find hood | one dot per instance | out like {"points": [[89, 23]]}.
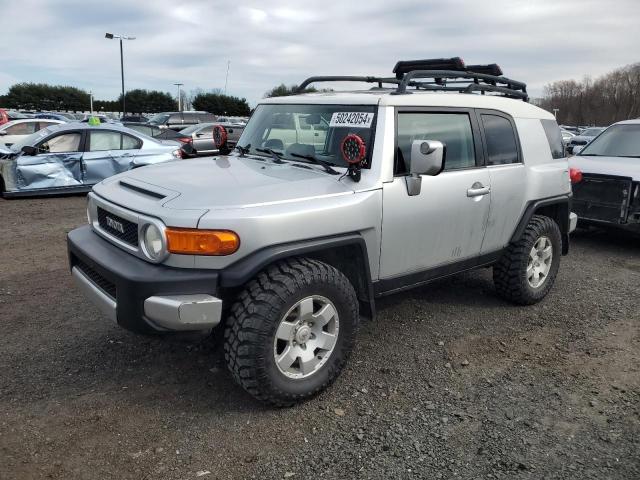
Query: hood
{"points": [[618, 166], [231, 182]]}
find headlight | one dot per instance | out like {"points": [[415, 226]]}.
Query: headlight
{"points": [[153, 242]]}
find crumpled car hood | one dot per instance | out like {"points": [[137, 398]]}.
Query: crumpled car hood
{"points": [[618, 166], [230, 182]]}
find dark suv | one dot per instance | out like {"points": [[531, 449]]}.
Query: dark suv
{"points": [[180, 120]]}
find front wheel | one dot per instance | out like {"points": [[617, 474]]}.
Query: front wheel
{"points": [[527, 270], [291, 331]]}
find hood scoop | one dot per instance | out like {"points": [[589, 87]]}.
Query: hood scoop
{"points": [[144, 188]]}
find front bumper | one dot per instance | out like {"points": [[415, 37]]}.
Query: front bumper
{"points": [[140, 296]]}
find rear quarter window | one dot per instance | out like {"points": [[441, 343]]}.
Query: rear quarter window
{"points": [[554, 137]]}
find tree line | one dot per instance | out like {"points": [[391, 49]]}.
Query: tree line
{"points": [[40, 96], [610, 98]]}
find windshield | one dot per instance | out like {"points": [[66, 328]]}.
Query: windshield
{"points": [[31, 139], [591, 132], [616, 141], [159, 119], [310, 130]]}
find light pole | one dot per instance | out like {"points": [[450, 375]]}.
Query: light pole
{"points": [[111, 36], [179, 96], [555, 112], [90, 102], [227, 77]]}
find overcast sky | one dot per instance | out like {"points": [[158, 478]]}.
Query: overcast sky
{"points": [[271, 42]]}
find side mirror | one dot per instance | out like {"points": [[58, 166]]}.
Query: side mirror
{"points": [[29, 150], [577, 149], [3, 133], [427, 158]]}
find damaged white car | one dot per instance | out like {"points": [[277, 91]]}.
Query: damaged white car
{"points": [[72, 157], [606, 176]]}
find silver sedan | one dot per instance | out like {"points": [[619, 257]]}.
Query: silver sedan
{"points": [[72, 157]]}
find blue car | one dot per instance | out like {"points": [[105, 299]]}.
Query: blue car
{"points": [[52, 116], [72, 157]]}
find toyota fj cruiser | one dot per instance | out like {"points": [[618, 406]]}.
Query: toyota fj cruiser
{"points": [[327, 202]]}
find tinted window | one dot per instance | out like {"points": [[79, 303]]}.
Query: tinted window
{"points": [[108, 140], [175, 118], [206, 117], [501, 140], [554, 137], [25, 128], [452, 129], [67, 142], [104, 140], [190, 118], [130, 143]]}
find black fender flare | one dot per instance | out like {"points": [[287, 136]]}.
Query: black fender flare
{"points": [[562, 202], [240, 272]]}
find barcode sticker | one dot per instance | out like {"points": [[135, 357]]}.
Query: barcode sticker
{"points": [[351, 119]]}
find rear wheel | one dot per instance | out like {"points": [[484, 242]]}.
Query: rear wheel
{"points": [[527, 270], [291, 331]]}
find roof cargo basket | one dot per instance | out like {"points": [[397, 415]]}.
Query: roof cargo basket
{"points": [[406, 66]]}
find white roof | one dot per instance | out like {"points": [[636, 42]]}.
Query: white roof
{"points": [[633, 121], [515, 108]]}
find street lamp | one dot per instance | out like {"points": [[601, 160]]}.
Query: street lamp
{"points": [[555, 112], [111, 36], [179, 96]]}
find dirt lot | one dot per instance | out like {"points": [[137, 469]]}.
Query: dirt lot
{"points": [[449, 382]]}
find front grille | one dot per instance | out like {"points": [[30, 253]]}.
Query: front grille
{"points": [[105, 285], [118, 227], [600, 197]]}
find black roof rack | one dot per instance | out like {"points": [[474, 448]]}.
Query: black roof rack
{"points": [[440, 74], [348, 78]]}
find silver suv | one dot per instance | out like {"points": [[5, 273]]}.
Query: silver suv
{"points": [[328, 202]]}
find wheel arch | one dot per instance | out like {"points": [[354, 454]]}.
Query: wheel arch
{"points": [[347, 253], [556, 208]]}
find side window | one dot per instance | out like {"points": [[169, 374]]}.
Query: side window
{"points": [[130, 143], [502, 147], [190, 118], [175, 118], [64, 143], [42, 125], [103, 140], [554, 137], [452, 129], [24, 128]]}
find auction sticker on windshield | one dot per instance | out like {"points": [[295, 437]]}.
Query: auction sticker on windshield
{"points": [[351, 119]]}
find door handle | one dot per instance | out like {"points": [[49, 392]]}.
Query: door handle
{"points": [[478, 190]]}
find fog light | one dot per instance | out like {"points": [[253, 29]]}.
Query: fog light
{"points": [[153, 242]]}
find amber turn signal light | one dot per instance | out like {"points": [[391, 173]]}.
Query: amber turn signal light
{"points": [[192, 241]]}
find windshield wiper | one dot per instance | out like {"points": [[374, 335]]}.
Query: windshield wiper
{"points": [[243, 150], [317, 161], [276, 155]]}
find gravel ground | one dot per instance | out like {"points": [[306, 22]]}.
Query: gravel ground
{"points": [[449, 382]]}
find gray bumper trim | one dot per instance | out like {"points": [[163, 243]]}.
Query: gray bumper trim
{"points": [[573, 221], [104, 302], [184, 312]]}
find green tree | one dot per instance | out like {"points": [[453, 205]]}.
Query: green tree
{"points": [[148, 101], [220, 104], [283, 91], [46, 97]]}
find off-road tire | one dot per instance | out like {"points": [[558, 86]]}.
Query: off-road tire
{"points": [[509, 274], [256, 314]]}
